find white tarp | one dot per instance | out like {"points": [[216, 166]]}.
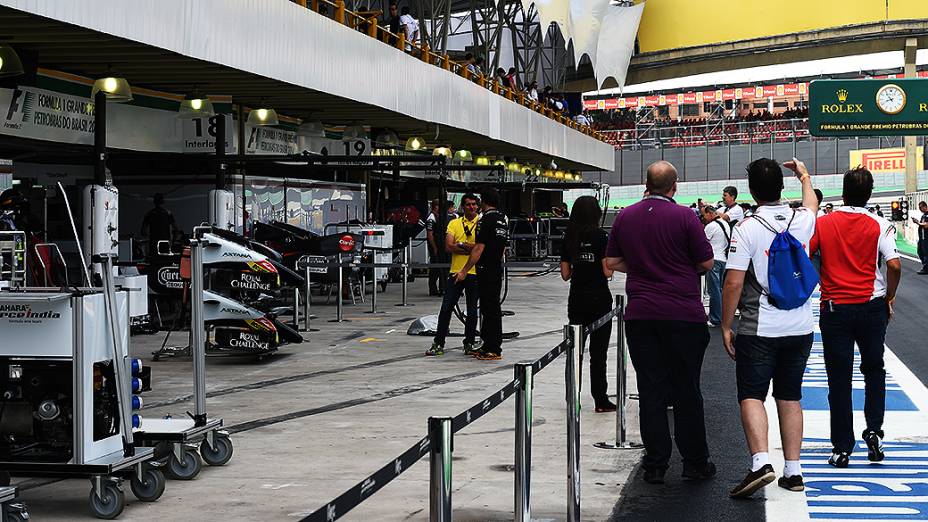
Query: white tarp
{"points": [[586, 17], [556, 11], [617, 43]]}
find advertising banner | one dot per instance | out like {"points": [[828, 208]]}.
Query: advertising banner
{"points": [[882, 161], [868, 107]]}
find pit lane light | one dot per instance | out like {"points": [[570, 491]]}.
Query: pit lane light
{"points": [[195, 106], [116, 89], [262, 117], [414, 144], [442, 151], [10, 64]]}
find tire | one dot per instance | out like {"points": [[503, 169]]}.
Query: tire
{"points": [[189, 469], [151, 487], [110, 504], [220, 455]]}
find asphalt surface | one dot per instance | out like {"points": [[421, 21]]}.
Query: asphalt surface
{"points": [[701, 500], [908, 330]]}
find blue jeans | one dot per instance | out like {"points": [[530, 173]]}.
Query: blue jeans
{"points": [[714, 279], [453, 293], [842, 326]]}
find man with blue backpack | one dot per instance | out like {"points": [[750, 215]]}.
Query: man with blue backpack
{"points": [[770, 279]]}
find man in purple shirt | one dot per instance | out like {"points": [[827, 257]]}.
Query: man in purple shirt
{"points": [[662, 247]]}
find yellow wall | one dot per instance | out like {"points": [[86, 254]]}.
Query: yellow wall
{"points": [[670, 24]]}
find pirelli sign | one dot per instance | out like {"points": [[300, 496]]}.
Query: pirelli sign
{"points": [[890, 107]]}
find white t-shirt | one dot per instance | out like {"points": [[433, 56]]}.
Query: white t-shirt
{"points": [[749, 251], [735, 213], [718, 233], [411, 26]]}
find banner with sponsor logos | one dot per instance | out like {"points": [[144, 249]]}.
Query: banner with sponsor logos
{"points": [[880, 161], [757, 92]]}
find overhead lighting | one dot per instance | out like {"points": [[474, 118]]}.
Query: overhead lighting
{"points": [[441, 151], [262, 116], [387, 138], [414, 144], [499, 163], [311, 129], [10, 64], [577, 177], [514, 167], [463, 155], [483, 160], [354, 132], [559, 174], [568, 176], [548, 173], [195, 106], [116, 89]]}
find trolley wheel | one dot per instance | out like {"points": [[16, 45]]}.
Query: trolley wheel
{"points": [[220, 455], [110, 503], [150, 487], [187, 470], [17, 516]]}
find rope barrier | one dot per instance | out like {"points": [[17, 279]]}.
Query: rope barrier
{"points": [[350, 499]]}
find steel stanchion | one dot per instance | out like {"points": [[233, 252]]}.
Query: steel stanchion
{"points": [[405, 275], [374, 293], [296, 308], [440, 469], [621, 435], [573, 335], [338, 302], [307, 302], [197, 332], [523, 460]]}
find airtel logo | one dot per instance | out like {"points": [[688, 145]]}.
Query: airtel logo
{"points": [[346, 243]]}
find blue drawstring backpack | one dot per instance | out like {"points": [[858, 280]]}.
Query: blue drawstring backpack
{"points": [[791, 276]]}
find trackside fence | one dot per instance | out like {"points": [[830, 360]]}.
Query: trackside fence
{"points": [[438, 443]]}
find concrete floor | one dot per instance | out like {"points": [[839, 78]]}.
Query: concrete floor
{"points": [[313, 420]]}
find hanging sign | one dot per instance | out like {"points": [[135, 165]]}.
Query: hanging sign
{"points": [[199, 134], [46, 115], [890, 107]]}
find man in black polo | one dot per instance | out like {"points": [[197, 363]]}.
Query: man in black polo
{"points": [[487, 255]]}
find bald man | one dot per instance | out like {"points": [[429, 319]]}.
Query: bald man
{"points": [[662, 246]]}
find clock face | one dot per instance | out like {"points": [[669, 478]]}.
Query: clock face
{"points": [[890, 99]]}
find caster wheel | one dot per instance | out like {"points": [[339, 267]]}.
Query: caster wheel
{"points": [[110, 503], [17, 517], [151, 487], [187, 470], [220, 455]]}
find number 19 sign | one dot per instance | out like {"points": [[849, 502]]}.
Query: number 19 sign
{"points": [[893, 107]]}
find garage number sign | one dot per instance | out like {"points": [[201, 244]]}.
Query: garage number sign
{"points": [[892, 107]]}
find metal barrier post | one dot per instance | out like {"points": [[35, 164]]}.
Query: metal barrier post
{"points": [[440, 469], [621, 436], [573, 335], [338, 302], [197, 332], [296, 308], [405, 275], [523, 460], [374, 291]]}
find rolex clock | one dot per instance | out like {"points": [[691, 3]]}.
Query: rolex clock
{"points": [[890, 99]]}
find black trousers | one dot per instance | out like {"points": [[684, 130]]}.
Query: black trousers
{"points": [[667, 356], [490, 285], [842, 326], [584, 309], [437, 276], [923, 252]]}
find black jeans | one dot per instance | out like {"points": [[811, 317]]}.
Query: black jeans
{"points": [[923, 252], [490, 283], [453, 293], [668, 356], [584, 309], [842, 326], [437, 275]]}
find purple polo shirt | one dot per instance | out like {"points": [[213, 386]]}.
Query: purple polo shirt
{"points": [[661, 242]]}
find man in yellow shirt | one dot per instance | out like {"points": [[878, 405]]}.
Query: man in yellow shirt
{"points": [[459, 241]]}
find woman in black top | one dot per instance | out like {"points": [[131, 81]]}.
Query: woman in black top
{"points": [[583, 264]]}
